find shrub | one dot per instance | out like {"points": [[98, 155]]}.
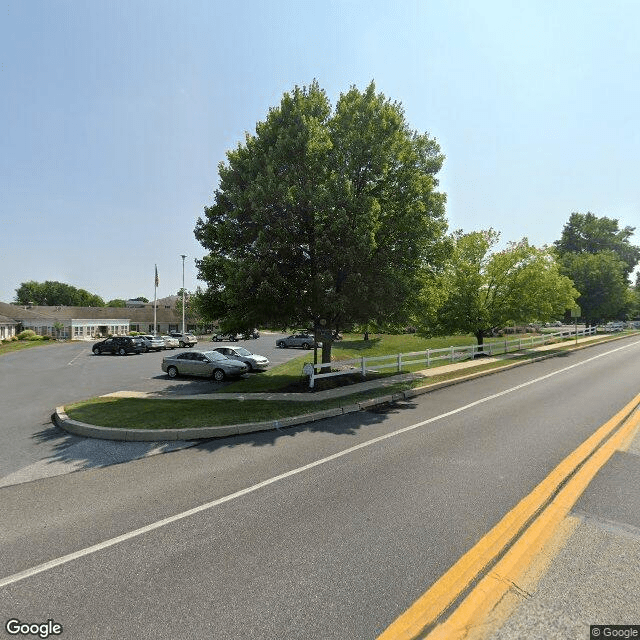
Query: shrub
{"points": [[27, 334]]}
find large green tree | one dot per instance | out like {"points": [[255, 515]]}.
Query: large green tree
{"points": [[599, 257], [323, 217], [55, 293], [481, 291], [587, 233], [604, 293]]}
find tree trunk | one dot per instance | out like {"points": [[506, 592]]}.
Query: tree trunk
{"points": [[326, 355], [480, 338]]}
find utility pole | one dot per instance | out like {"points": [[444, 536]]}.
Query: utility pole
{"points": [[183, 257]]}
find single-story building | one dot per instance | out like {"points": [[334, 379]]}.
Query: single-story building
{"points": [[7, 327], [89, 323]]}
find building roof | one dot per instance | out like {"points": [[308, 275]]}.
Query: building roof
{"points": [[60, 314], [6, 320]]}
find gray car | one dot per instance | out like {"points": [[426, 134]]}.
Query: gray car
{"points": [[252, 360], [209, 364], [186, 339], [303, 340], [170, 342], [153, 343]]}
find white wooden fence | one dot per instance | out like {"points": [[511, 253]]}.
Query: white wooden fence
{"points": [[431, 356]]}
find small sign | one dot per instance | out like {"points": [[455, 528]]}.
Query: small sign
{"points": [[576, 312], [307, 370]]}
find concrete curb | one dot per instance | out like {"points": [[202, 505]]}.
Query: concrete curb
{"points": [[62, 420]]}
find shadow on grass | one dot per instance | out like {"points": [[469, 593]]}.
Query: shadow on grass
{"points": [[88, 453], [357, 345]]}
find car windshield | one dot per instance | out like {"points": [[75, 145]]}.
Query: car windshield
{"points": [[214, 355], [243, 352]]}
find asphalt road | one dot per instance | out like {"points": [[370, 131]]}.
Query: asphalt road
{"points": [[35, 381], [328, 531]]}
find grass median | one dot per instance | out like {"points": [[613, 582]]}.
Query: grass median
{"points": [[142, 413]]}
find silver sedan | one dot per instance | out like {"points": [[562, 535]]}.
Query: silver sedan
{"points": [[209, 364], [170, 342], [254, 361]]}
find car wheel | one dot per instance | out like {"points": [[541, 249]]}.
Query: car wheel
{"points": [[181, 345], [96, 351], [122, 351], [218, 375], [281, 345], [305, 345], [250, 367], [172, 372]]}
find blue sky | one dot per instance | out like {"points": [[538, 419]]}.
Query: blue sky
{"points": [[115, 115]]}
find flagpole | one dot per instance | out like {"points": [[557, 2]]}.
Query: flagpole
{"points": [[155, 296]]}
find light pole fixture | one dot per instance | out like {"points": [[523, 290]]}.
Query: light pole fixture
{"points": [[183, 257]]}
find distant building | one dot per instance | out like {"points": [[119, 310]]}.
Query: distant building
{"points": [[89, 323], [7, 327]]}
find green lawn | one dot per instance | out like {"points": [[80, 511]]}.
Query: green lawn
{"points": [[141, 413], [284, 376]]}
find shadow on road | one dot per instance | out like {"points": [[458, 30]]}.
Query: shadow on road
{"points": [[75, 453]]}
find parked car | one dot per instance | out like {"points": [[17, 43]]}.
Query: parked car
{"points": [[153, 343], [186, 339], [254, 361], [303, 340], [122, 345], [251, 335], [170, 342], [209, 364], [225, 337]]}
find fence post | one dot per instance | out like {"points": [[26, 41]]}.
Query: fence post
{"points": [[311, 377], [428, 358], [451, 354], [399, 362], [362, 368]]}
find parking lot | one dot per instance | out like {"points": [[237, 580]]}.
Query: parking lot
{"points": [[35, 381]]}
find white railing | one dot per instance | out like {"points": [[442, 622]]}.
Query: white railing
{"points": [[431, 356]]}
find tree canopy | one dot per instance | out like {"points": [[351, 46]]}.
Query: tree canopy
{"points": [[587, 233], [55, 293], [480, 291], [599, 257], [604, 293], [323, 217]]}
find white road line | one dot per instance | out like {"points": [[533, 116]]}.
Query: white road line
{"points": [[27, 573], [82, 353]]}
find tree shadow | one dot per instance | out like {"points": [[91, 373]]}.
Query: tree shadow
{"points": [[357, 345], [77, 453]]}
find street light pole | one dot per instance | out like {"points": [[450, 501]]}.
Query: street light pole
{"points": [[183, 257]]}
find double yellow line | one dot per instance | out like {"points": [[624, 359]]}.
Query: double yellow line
{"points": [[502, 555]]}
